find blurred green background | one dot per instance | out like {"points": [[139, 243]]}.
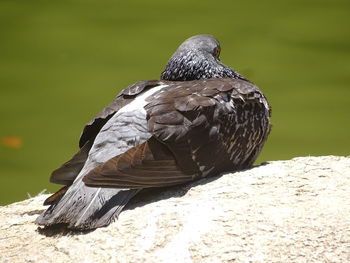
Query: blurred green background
{"points": [[63, 61]]}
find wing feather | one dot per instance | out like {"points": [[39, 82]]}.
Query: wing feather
{"points": [[198, 128], [93, 127], [70, 169], [67, 173], [214, 118], [149, 164]]}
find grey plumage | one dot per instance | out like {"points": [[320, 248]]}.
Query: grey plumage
{"points": [[198, 58], [200, 119], [81, 206]]}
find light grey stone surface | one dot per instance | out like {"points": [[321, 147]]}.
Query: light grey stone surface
{"points": [[285, 211]]}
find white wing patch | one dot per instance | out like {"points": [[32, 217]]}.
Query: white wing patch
{"points": [[126, 129], [140, 101]]}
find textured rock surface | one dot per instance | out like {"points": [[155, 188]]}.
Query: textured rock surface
{"points": [[284, 211]]}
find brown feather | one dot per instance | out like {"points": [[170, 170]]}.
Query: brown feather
{"points": [[70, 169], [149, 164], [56, 196], [217, 117]]}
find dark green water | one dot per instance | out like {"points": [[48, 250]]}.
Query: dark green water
{"points": [[62, 61]]}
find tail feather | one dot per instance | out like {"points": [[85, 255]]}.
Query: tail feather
{"points": [[84, 208]]}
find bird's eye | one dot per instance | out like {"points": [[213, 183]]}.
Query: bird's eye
{"points": [[217, 51]]}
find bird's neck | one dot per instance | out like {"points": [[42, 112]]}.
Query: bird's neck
{"points": [[189, 66]]}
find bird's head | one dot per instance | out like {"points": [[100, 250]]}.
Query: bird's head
{"points": [[197, 58]]}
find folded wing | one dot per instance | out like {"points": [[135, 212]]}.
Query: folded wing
{"points": [[199, 128]]}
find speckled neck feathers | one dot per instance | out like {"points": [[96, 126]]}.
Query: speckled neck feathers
{"points": [[198, 58]]}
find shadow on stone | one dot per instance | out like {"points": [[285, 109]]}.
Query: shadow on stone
{"points": [[60, 230], [148, 196]]}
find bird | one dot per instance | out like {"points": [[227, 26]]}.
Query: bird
{"points": [[200, 119]]}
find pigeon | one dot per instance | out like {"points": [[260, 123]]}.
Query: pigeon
{"points": [[201, 119]]}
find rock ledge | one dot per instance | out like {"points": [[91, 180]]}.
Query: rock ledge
{"points": [[284, 211]]}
